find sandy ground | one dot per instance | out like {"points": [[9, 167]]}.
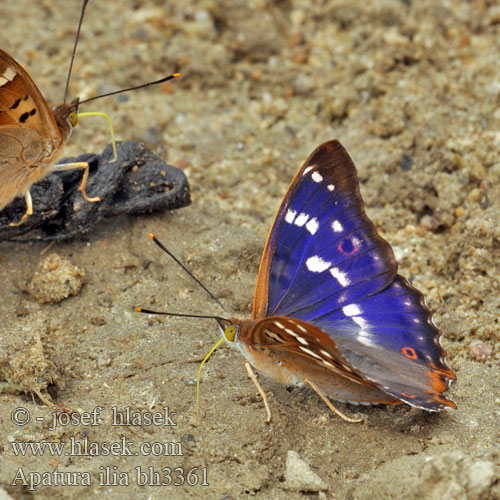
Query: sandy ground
{"points": [[412, 90]]}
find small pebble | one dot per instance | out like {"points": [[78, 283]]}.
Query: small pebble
{"points": [[406, 162], [188, 440], [299, 476], [429, 222], [481, 351]]}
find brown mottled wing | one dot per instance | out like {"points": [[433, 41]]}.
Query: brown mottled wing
{"points": [[21, 103], [28, 130], [293, 351]]}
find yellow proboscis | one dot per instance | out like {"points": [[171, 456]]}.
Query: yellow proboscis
{"points": [[198, 378]]}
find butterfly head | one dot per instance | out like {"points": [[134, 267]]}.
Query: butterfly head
{"points": [[66, 117], [230, 329]]}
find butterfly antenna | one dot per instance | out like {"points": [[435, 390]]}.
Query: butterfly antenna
{"points": [[163, 313], [210, 294], [161, 80], [84, 6]]}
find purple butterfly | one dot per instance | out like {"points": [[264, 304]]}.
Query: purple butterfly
{"points": [[329, 307]]}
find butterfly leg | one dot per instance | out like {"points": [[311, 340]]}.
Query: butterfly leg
{"points": [[329, 403], [29, 209], [85, 166], [252, 375]]}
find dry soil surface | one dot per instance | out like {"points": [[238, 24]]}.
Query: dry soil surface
{"points": [[412, 90]]}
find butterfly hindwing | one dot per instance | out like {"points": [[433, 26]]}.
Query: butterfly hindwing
{"points": [[389, 337]]}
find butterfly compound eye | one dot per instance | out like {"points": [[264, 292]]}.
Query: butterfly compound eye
{"points": [[73, 118], [230, 333]]}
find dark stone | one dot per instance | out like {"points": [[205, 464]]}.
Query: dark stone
{"points": [[138, 182], [406, 162]]}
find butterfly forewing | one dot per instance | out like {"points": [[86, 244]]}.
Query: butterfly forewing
{"points": [[21, 103], [322, 252]]}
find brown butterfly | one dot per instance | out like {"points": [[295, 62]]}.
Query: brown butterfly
{"points": [[32, 136]]}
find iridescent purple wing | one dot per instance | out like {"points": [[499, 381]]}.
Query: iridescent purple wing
{"points": [[325, 264], [322, 252]]}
